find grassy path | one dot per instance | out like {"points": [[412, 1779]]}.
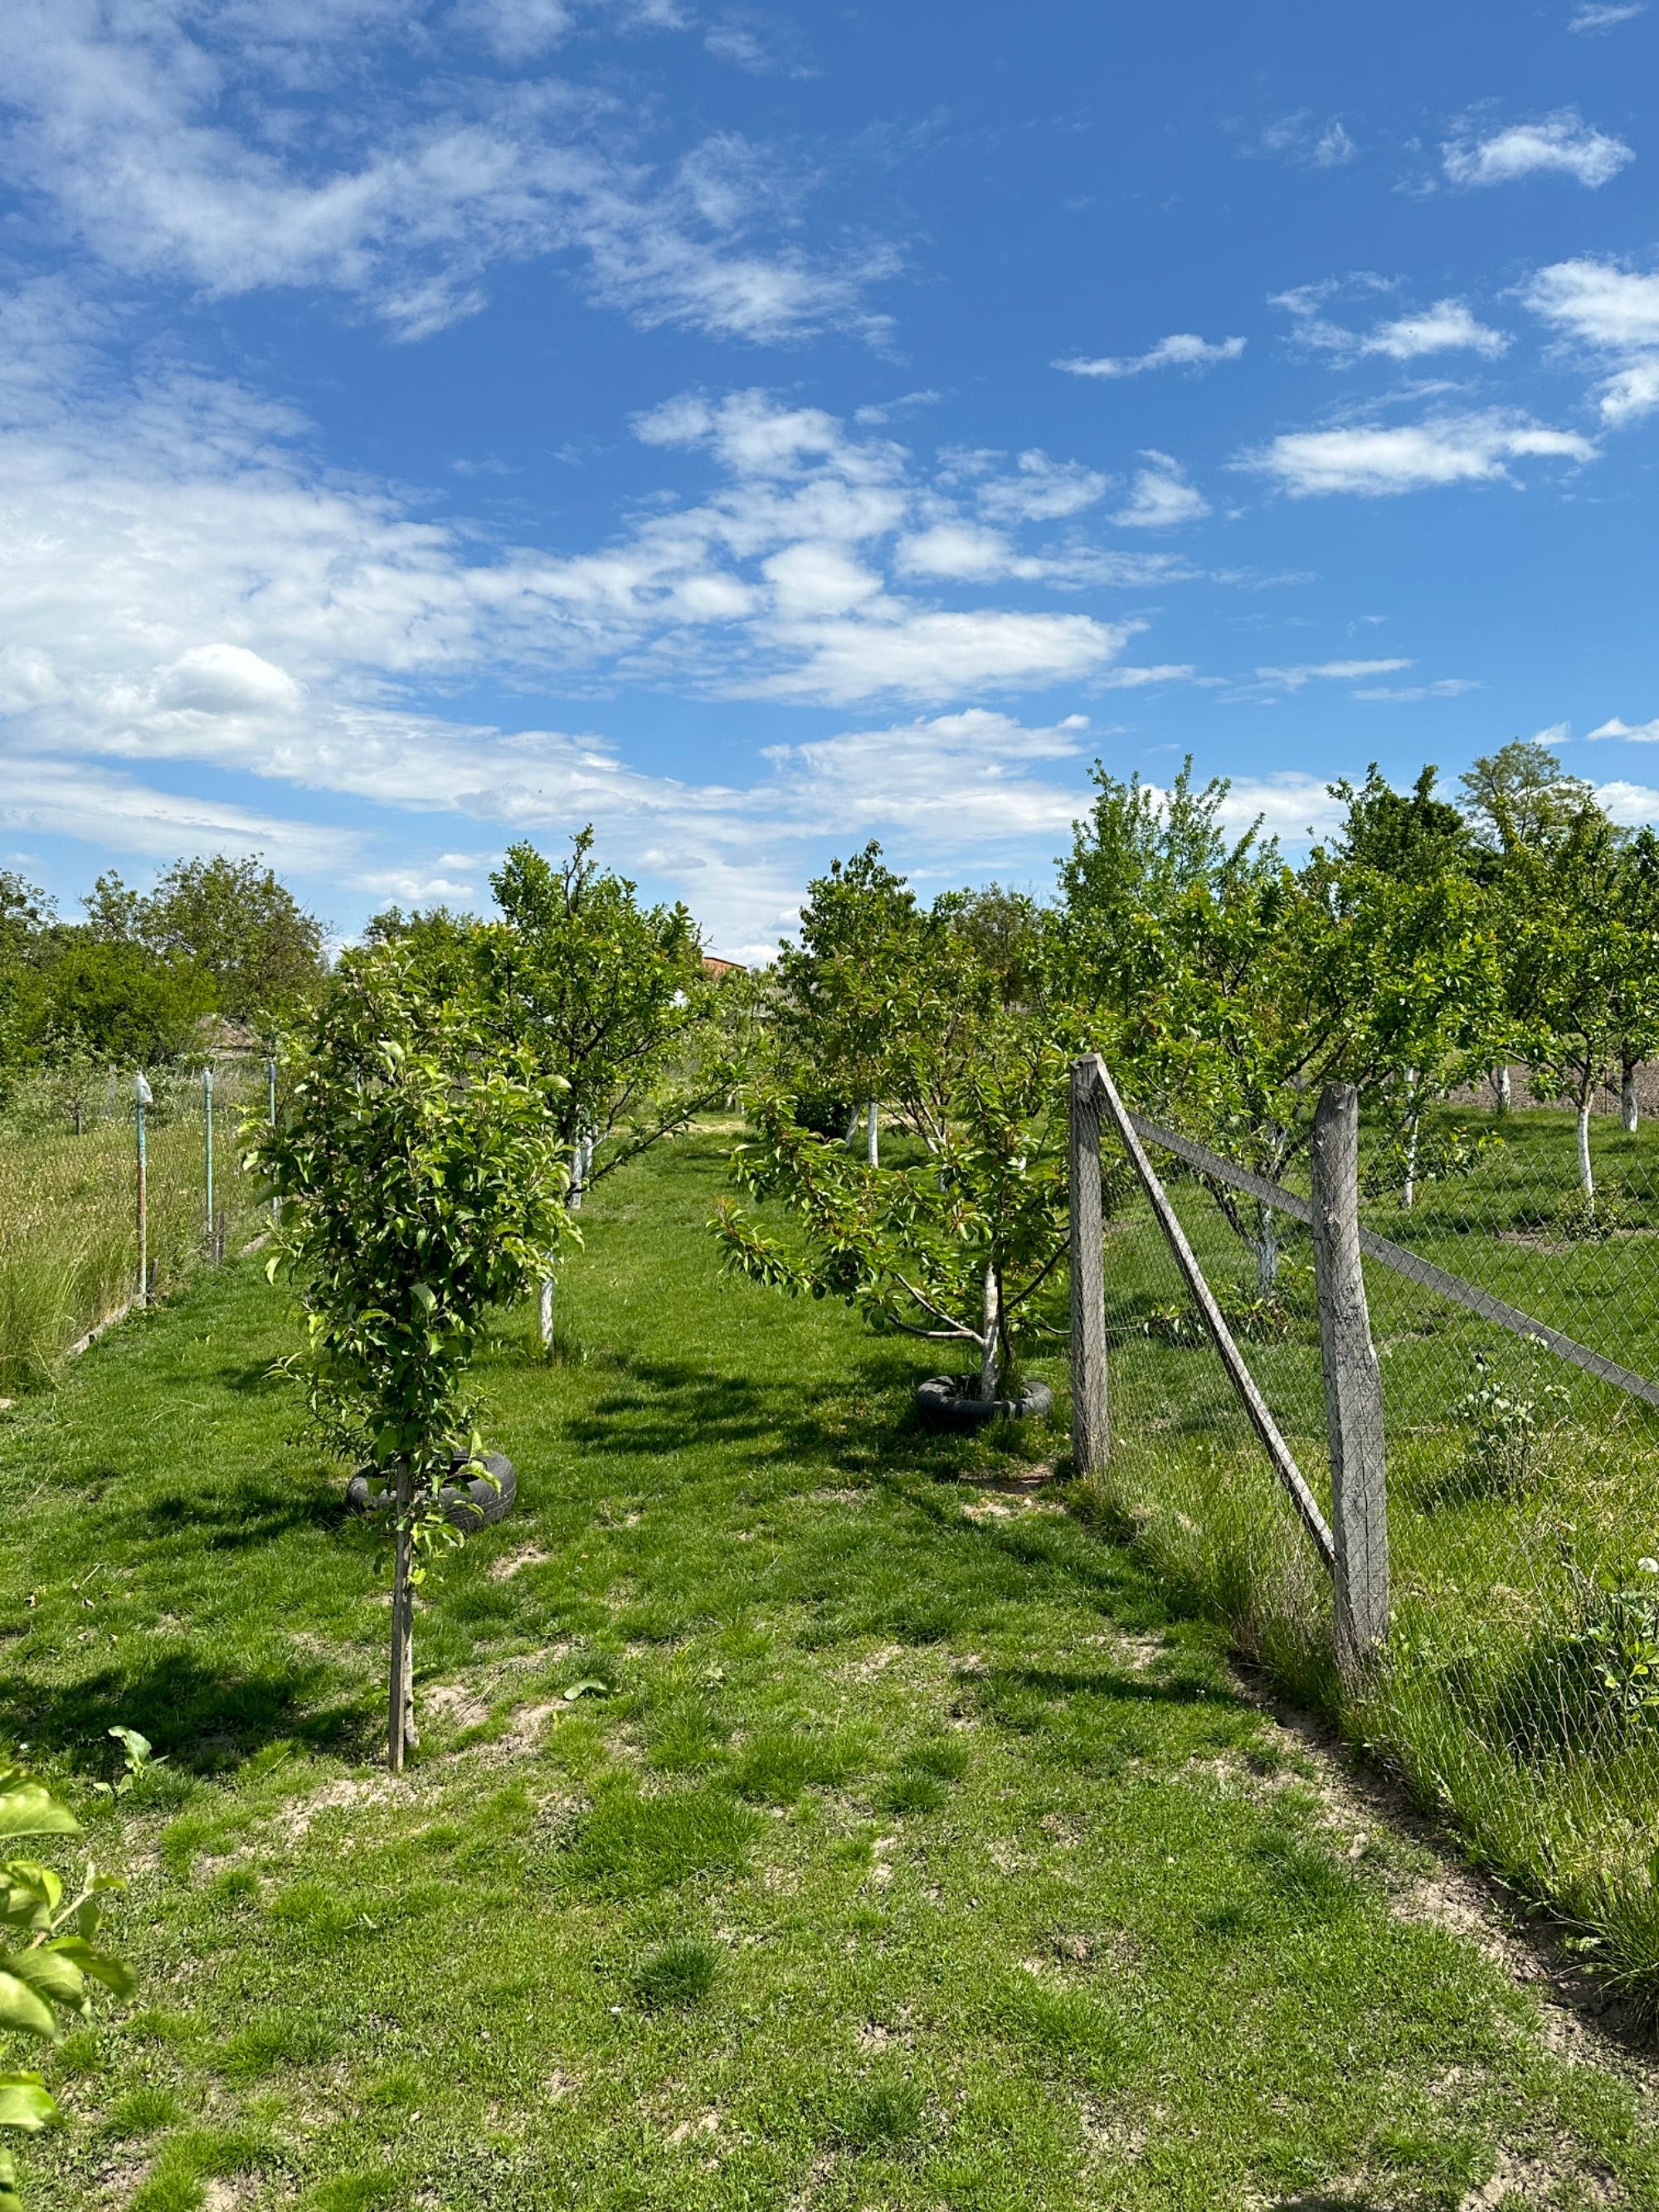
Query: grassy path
{"points": [[900, 1853]]}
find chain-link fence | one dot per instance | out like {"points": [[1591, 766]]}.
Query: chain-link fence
{"points": [[1514, 1315], [70, 1222]]}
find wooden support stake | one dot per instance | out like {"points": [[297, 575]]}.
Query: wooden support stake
{"points": [[401, 1686], [1232, 1361], [1091, 1441], [1353, 1387]]}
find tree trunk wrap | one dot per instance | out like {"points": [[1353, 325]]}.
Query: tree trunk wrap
{"points": [[400, 1704], [1586, 1171], [872, 1136], [991, 1342], [1091, 1404]]}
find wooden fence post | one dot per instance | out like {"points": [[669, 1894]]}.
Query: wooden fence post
{"points": [[1091, 1442], [1353, 1387]]}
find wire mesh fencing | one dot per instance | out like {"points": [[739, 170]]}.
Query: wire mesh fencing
{"points": [[71, 1223], [1513, 1312]]}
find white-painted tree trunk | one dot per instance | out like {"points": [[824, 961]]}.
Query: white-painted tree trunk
{"points": [[1586, 1172], [1267, 1251], [1630, 1109], [546, 1315], [400, 1702], [872, 1136], [1502, 1089], [990, 1349]]}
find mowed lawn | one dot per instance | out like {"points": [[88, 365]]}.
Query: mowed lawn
{"points": [[802, 1819]]}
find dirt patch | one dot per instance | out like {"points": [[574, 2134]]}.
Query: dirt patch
{"points": [[454, 1703], [294, 1820], [503, 1569]]}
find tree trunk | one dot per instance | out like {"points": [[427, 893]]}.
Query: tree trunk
{"points": [[872, 1136], [400, 1704], [1630, 1109], [546, 1314], [1586, 1172], [1267, 1251], [1408, 1196], [1501, 1088], [990, 1347]]}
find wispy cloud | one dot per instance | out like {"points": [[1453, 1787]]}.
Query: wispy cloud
{"points": [[1605, 15], [1615, 311], [1402, 695], [1448, 326], [1638, 732], [126, 128], [1182, 350], [1338, 671], [1377, 460], [1161, 497], [1300, 137], [1562, 144]]}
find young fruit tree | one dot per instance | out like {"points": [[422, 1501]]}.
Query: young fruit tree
{"points": [[1583, 964], [421, 1181], [954, 1246], [954, 1242], [613, 996], [1233, 987], [48, 1959]]}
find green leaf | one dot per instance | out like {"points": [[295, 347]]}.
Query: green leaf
{"points": [[590, 1688], [20, 2008], [114, 1973], [28, 1807], [24, 2102], [49, 1973]]}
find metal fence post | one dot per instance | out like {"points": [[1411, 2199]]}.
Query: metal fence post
{"points": [[141, 1097], [207, 1146], [1353, 1386], [1091, 1432]]}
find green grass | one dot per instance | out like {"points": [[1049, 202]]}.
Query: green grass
{"points": [[1493, 1709], [917, 1853], [69, 1242]]}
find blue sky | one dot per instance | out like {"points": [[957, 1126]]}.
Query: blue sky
{"points": [[755, 431]]}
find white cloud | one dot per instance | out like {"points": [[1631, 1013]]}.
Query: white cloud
{"points": [[938, 654], [1638, 732], [1315, 145], [1603, 14], [1562, 144], [1374, 459], [1613, 311], [1341, 671], [1038, 488], [1180, 350], [126, 122], [1446, 326], [1630, 805], [1161, 498], [67, 798], [1443, 687], [1598, 302], [1290, 805], [933, 777]]}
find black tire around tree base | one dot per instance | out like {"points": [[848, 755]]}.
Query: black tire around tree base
{"points": [[946, 1401], [478, 1503]]}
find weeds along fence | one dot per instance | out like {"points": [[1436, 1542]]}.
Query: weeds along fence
{"points": [[71, 1226], [1395, 1420]]}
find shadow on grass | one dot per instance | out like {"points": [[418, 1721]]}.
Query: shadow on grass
{"points": [[250, 1515], [201, 1716]]}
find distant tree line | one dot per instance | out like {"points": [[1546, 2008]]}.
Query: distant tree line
{"points": [[132, 984]]}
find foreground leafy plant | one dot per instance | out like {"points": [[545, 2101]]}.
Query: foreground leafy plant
{"points": [[47, 1956], [420, 1184], [1505, 1427]]}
